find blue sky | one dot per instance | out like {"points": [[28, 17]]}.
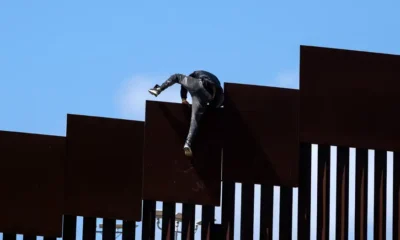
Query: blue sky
{"points": [[99, 57]]}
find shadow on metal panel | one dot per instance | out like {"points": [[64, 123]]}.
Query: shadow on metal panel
{"points": [[31, 183], [168, 174], [261, 143], [349, 98], [104, 167]]}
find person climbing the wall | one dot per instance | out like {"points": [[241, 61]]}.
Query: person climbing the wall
{"points": [[206, 91]]}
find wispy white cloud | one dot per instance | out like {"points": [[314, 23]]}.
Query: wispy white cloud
{"points": [[132, 95]]}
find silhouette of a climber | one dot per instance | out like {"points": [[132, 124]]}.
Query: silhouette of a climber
{"points": [[206, 91]]}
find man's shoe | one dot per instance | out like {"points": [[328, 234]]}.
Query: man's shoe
{"points": [[155, 91], [187, 150]]}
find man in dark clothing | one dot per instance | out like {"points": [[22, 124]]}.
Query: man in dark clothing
{"points": [[206, 91]]}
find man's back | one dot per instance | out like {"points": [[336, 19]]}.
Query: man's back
{"points": [[204, 75]]}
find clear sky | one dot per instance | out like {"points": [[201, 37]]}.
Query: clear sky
{"points": [[99, 57]]}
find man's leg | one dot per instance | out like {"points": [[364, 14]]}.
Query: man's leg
{"points": [[176, 78], [198, 109]]}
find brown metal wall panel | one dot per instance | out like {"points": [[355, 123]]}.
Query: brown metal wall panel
{"points": [[247, 211], [168, 174], [69, 227], [168, 221], [228, 209], [344, 95], [149, 220], [285, 215], [361, 203], [261, 135], [109, 229], [89, 228], [303, 229], [266, 212], [128, 230], [380, 181], [188, 221], [323, 192], [104, 167], [31, 183], [342, 193]]}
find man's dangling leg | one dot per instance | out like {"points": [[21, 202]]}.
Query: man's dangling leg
{"points": [[198, 109], [176, 78]]}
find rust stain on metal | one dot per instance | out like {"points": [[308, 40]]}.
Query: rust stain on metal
{"points": [[32, 179], [168, 174], [104, 167], [344, 95], [261, 143]]}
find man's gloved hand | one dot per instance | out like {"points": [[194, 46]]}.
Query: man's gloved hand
{"points": [[184, 101]]}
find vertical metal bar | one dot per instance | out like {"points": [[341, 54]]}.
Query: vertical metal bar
{"points": [[27, 237], [9, 236], [217, 232], [49, 238], [304, 192], [361, 203], [109, 226], [207, 220], [149, 220], [69, 227], [286, 209], [89, 228], [266, 212], [342, 193], [188, 221], [247, 211], [128, 230], [228, 209], [168, 221], [324, 169], [380, 195], [396, 195]]}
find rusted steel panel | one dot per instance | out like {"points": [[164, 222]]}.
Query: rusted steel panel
{"points": [[228, 209], [266, 212], [323, 192], [149, 220], [104, 167], [168, 174], [261, 135], [188, 221], [342, 193], [380, 181], [361, 203], [286, 210], [31, 183], [303, 229], [344, 95], [247, 211]]}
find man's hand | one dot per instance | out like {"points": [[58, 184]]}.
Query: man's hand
{"points": [[184, 101]]}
